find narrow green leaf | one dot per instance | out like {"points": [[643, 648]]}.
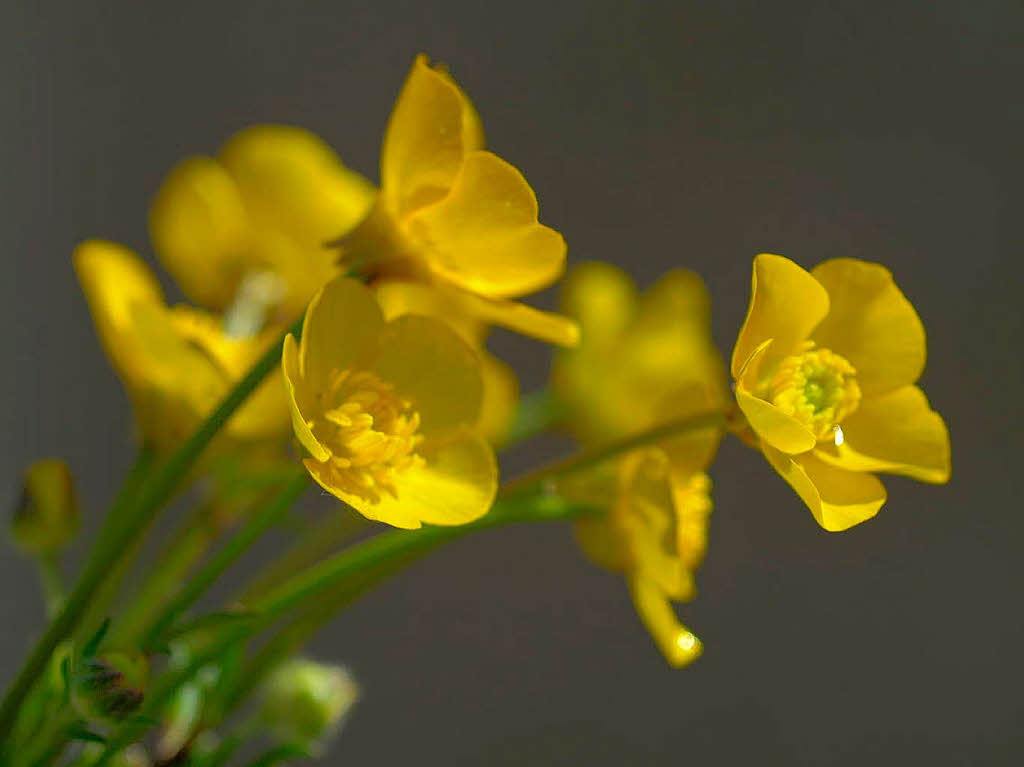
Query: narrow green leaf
{"points": [[93, 644]]}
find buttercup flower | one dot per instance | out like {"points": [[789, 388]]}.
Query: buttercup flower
{"points": [[176, 362], [386, 411], [825, 366], [265, 207], [457, 216], [645, 360], [501, 387]]}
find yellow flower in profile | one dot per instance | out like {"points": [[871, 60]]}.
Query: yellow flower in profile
{"points": [[825, 368], [176, 362], [455, 215], [501, 386], [645, 360], [266, 206], [654, 532], [386, 411]]}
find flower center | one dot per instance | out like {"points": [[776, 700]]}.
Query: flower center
{"points": [[818, 388], [372, 434]]}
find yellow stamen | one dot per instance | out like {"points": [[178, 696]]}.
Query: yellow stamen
{"points": [[372, 434], [817, 387]]}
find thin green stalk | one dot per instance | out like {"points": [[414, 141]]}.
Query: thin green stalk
{"points": [[53, 586], [187, 547], [134, 523], [255, 526], [316, 543], [590, 458]]}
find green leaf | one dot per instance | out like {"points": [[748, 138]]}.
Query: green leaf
{"points": [[79, 732], [279, 754]]}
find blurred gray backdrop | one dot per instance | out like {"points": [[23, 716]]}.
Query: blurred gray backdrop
{"points": [[655, 135]]}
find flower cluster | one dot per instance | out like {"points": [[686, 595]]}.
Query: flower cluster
{"points": [[338, 333]]}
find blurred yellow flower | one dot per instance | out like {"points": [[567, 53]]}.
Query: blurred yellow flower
{"points": [[455, 215], [825, 366], [176, 362], [386, 411], [501, 386], [266, 206], [654, 532], [645, 360]]}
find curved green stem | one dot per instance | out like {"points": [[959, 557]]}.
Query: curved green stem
{"points": [[249, 533], [135, 520]]}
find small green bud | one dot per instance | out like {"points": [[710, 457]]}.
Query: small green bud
{"points": [[109, 686], [305, 701], [46, 516]]}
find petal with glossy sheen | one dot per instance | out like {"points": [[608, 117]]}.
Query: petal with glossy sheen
{"points": [[500, 398], [456, 485], [786, 303], [292, 181], [200, 231], [838, 499], [897, 433], [431, 128], [771, 424], [871, 323], [545, 326], [342, 322], [676, 642], [484, 235], [428, 363], [294, 388], [398, 298]]}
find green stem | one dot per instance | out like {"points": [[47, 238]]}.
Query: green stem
{"points": [[255, 526], [134, 523], [586, 459], [53, 586]]}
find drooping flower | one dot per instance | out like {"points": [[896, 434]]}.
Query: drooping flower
{"points": [[386, 411], [176, 362], [825, 367], [645, 360], [262, 211], [501, 386], [455, 215]]}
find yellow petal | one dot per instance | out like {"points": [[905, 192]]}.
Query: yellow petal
{"points": [[545, 326], [837, 498], [455, 485], [114, 280], [602, 543], [432, 127], [342, 323], [298, 400], [676, 642], [484, 235], [500, 398], [872, 324], [200, 231], [292, 181], [786, 303], [772, 425], [431, 366], [898, 433], [397, 298], [602, 298]]}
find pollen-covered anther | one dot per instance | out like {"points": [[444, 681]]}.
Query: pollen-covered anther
{"points": [[817, 387], [372, 434]]}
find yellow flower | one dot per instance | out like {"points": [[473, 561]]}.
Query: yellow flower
{"points": [[654, 533], [825, 367], [458, 216], [267, 205], [386, 411], [501, 386], [645, 360], [176, 362]]}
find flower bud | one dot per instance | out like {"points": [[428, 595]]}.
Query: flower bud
{"points": [[109, 686], [305, 701], [46, 516]]}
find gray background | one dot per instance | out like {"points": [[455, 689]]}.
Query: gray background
{"points": [[655, 135]]}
